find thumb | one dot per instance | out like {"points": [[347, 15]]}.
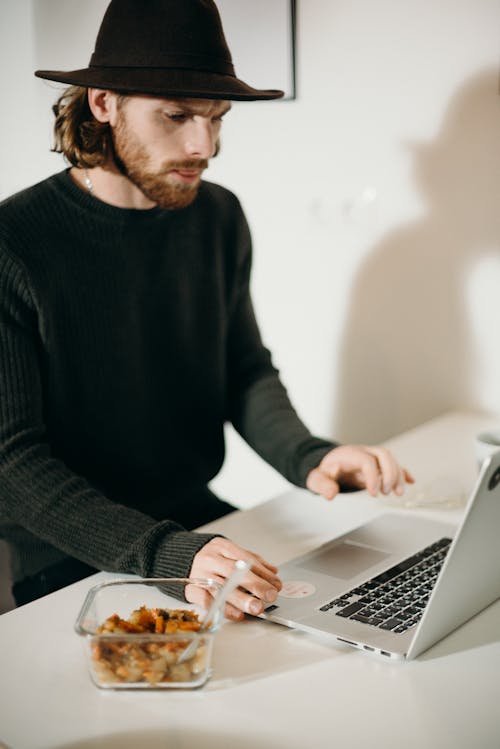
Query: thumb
{"points": [[321, 483]]}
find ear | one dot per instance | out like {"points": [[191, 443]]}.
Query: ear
{"points": [[103, 104]]}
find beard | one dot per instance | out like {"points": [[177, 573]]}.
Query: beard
{"points": [[131, 158]]}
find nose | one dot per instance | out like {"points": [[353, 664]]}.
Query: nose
{"points": [[200, 139]]}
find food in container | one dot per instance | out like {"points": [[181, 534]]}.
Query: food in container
{"points": [[136, 631]]}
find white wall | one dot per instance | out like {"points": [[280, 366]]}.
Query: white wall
{"points": [[373, 198]]}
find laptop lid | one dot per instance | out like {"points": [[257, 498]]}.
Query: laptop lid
{"points": [[470, 577]]}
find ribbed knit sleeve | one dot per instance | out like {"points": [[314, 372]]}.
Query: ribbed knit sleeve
{"points": [[261, 410], [38, 491]]}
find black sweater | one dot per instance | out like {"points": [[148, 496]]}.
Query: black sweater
{"points": [[127, 339]]}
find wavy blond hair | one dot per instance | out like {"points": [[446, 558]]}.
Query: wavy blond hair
{"points": [[84, 141]]}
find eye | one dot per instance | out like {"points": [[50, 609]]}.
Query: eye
{"points": [[178, 117]]}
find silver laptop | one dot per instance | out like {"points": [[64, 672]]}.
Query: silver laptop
{"points": [[397, 585]]}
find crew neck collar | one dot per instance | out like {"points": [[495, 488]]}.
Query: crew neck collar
{"points": [[91, 203]]}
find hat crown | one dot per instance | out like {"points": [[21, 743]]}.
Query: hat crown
{"points": [[177, 34]]}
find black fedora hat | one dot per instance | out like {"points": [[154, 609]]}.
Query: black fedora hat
{"points": [[165, 48]]}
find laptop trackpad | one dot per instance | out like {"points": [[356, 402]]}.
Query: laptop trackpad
{"points": [[344, 560]]}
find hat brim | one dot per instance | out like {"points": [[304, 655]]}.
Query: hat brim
{"points": [[162, 82]]}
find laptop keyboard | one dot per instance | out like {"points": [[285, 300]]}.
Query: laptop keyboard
{"points": [[394, 600]]}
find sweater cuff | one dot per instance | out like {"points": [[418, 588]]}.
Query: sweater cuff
{"points": [[175, 553], [310, 457]]}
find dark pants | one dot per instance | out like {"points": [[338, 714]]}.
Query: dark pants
{"points": [[50, 579]]}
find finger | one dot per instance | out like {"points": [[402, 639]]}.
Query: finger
{"points": [[266, 569], [401, 485], [324, 484], [260, 588], [370, 470], [242, 600], [394, 476], [233, 552], [271, 567], [195, 594], [244, 603], [255, 585], [251, 604], [233, 613], [408, 476], [391, 472], [258, 574]]}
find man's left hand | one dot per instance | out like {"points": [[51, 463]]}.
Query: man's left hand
{"points": [[358, 467]]}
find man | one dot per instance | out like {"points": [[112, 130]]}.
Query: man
{"points": [[126, 327]]}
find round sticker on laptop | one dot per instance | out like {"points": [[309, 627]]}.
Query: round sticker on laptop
{"points": [[297, 589]]}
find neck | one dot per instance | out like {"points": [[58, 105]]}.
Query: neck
{"points": [[111, 186]]}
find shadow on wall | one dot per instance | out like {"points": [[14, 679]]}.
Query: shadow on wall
{"points": [[408, 351]]}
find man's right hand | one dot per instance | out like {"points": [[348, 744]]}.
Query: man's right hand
{"points": [[258, 589]]}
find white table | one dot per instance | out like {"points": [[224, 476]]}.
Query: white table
{"points": [[273, 688]]}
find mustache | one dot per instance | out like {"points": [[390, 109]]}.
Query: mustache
{"points": [[199, 164]]}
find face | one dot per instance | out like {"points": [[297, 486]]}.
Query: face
{"points": [[163, 145]]}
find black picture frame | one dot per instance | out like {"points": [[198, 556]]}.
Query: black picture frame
{"points": [[262, 37]]}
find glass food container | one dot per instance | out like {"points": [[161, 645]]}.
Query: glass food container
{"points": [[135, 632]]}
